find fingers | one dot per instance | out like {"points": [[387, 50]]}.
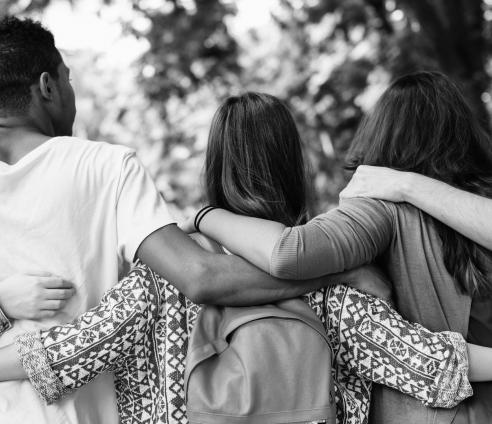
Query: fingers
{"points": [[53, 282], [59, 294], [45, 314], [38, 274], [52, 305]]}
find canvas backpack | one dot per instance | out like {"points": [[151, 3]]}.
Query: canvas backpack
{"points": [[269, 364]]}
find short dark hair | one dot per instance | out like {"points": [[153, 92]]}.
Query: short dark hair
{"points": [[423, 124], [27, 49], [254, 163]]}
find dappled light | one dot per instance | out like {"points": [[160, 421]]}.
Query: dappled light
{"points": [[150, 74]]}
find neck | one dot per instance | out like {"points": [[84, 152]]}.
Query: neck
{"points": [[18, 136]]}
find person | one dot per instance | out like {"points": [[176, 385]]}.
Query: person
{"points": [[145, 318], [81, 210], [440, 279]]}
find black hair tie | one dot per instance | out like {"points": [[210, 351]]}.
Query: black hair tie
{"points": [[199, 216]]}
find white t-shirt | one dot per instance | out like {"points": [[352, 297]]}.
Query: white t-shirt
{"points": [[78, 209]]}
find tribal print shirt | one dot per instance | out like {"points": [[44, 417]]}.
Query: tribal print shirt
{"points": [[140, 332]]}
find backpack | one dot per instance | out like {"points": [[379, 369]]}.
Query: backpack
{"points": [[269, 364]]}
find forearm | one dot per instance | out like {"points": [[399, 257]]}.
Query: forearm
{"points": [[10, 365], [379, 345], [212, 278], [339, 240], [251, 238], [467, 213], [238, 283], [480, 359], [103, 337]]}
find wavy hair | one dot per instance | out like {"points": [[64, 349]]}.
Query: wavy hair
{"points": [[423, 124]]}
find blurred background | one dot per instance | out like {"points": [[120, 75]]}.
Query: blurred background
{"points": [[150, 73]]}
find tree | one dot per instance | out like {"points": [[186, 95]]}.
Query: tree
{"points": [[328, 59]]}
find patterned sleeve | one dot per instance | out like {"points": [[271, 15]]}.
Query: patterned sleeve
{"points": [[5, 323], [66, 357], [377, 344]]}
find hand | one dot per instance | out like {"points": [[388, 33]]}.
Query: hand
{"points": [[34, 296], [378, 183], [370, 279], [188, 225]]}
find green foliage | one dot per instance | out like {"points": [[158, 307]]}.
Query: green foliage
{"points": [[328, 59]]}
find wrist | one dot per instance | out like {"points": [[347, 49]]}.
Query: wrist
{"points": [[408, 186], [207, 219], [200, 215]]}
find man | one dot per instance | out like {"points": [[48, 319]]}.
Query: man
{"points": [[80, 210]]}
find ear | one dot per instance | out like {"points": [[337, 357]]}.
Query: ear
{"points": [[46, 86]]}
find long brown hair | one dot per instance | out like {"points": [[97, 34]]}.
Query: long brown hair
{"points": [[423, 124], [254, 162]]}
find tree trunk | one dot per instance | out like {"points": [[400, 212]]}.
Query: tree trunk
{"points": [[454, 30]]}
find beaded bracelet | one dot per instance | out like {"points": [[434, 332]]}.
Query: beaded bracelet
{"points": [[201, 213]]}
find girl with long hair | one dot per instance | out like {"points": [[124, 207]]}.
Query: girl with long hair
{"points": [[254, 166], [440, 279]]}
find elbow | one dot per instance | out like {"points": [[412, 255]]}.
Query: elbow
{"points": [[282, 269], [199, 295], [283, 260], [198, 289]]}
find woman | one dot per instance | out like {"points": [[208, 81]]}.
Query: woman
{"points": [[421, 124], [253, 161]]}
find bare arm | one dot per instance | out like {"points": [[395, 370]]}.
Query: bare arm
{"points": [[480, 359], [212, 278], [10, 366], [467, 213], [341, 239]]}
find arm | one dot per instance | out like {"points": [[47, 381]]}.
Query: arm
{"points": [[377, 344], [52, 357], [344, 238], [99, 340], [480, 358], [145, 230], [206, 277], [467, 213]]}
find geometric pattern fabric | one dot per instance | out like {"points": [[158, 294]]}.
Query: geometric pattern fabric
{"points": [[140, 332]]}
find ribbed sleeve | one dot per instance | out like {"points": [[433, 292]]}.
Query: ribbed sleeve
{"points": [[346, 237], [283, 263]]}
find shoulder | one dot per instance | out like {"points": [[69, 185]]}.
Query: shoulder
{"points": [[97, 159], [382, 212], [100, 148], [366, 206]]}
